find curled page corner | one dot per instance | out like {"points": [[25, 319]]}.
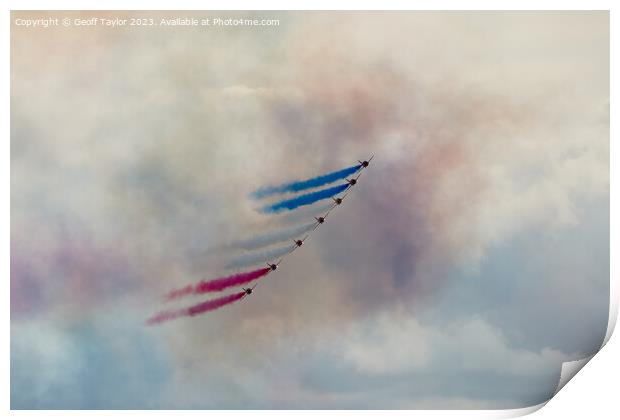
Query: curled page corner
{"points": [[570, 369], [613, 314], [519, 412]]}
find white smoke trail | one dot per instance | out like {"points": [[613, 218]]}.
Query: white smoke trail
{"points": [[274, 237], [307, 213], [254, 258]]}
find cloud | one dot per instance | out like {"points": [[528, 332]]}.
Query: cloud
{"points": [[103, 362], [399, 344]]}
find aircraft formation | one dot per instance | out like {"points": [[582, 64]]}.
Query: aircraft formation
{"points": [[350, 175]]}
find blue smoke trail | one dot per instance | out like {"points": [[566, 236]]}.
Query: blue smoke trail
{"points": [[304, 200], [297, 186], [262, 257]]}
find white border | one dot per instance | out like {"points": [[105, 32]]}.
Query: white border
{"points": [[595, 380]]}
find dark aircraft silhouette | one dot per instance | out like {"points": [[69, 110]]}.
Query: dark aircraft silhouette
{"points": [[320, 220], [366, 162], [338, 200], [353, 181], [249, 290], [274, 267], [300, 242]]}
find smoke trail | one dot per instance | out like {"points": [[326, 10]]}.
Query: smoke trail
{"points": [[304, 200], [217, 285], [273, 237], [259, 257], [297, 186], [306, 213], [200, 308]]}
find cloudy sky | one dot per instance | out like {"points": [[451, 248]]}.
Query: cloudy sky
{"points": [[469, 262]]}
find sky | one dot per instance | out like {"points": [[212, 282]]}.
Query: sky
{"points": [[468, 263]]}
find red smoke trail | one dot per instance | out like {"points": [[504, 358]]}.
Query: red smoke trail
{"points": [[210, 305], [198, 309], [216, 285]]}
